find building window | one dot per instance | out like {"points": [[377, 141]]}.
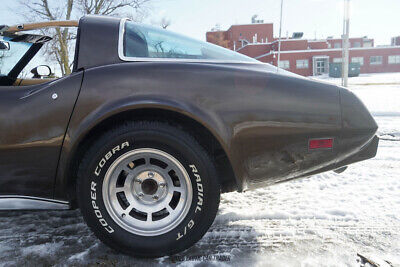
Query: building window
{"points": [[375, 60], [337, 45], [358, 60], [394, 59], [367, 43], [284, 64], [337, 60], [356, 44], [302, 64]]}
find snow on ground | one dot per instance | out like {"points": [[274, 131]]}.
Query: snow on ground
{"points": [[323, 220], [379, 92]]}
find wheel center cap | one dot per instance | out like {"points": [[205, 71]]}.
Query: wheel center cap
{"points": [[149, 186]]}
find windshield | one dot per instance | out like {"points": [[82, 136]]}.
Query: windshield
{"points": [[142, 41], [9, 58]]}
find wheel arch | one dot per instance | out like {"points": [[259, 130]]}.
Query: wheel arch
{"points": [[204, 134]]}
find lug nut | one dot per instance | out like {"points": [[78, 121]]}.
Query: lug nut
{"points": [[123, 215], [162, 185], [138, 180], [150, 174], [155, 197], [141, 194]]}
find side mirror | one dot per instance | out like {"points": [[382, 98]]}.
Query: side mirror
{"points": [[41, 71], [4, 45]]}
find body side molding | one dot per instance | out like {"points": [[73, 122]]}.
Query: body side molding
{"points": [[14, 202]]}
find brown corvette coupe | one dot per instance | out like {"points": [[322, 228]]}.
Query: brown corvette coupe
{"points": [[152, 126]]}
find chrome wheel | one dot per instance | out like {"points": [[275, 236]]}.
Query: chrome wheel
{"points": [[147, 192]]}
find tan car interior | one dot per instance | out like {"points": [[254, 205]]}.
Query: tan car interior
{"points": [[33, 81]]}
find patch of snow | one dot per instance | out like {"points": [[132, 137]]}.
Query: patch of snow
{"points": [[364, 79], [42, 250]]}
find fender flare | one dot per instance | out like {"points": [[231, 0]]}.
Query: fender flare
{"points": [[77, 134], [210, 121]]}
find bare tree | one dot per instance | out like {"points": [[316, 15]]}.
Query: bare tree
{"points": [[59, 49], [109, 7], [165, 22], [218, 38], [3, 57]]}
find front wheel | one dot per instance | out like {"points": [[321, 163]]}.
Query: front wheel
{"points": [[148, 189]]}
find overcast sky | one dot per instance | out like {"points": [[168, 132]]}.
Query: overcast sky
{"points": [[376, 19]]}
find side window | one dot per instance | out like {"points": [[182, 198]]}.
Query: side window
{"points": [[142, 41]]}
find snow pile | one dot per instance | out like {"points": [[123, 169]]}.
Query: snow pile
{"points": [[323, 220]]}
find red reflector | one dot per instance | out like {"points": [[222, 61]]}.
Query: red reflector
{"points": [[320, 143]]}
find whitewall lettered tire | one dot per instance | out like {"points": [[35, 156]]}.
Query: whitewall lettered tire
{"points": [[148, 189]]}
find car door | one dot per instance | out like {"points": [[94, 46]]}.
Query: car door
{"points": [[34, 115], [33, 122]]}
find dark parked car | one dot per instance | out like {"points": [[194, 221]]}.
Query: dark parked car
{"points": [[151, 126]]}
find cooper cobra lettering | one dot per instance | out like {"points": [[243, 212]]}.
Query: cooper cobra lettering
{"points": [[93, 193], [97, 212], [107, 156]]}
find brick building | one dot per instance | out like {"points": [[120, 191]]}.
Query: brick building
{"points": [[306, 57]]}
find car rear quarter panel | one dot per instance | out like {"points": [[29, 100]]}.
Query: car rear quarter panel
{"points": [[263, 120]]}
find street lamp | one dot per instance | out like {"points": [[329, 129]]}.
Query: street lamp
{"points": [[345, 46], [279, 40]]}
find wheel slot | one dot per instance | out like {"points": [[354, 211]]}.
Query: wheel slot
{"points": [[175, 178], [158, 163], [175, 200], [159, 215], [138, 214], [136, 163], [122, 200], [121, 179]]}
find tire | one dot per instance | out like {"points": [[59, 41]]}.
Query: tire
{"points": [[148, 189]]}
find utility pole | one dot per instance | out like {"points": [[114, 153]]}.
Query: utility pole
{"points": [[279, 41], [345, 37]]}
